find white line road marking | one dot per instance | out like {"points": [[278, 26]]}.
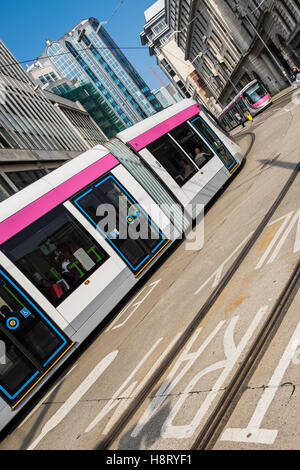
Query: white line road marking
{"points": [[180, 432], [135, 305], [75, 397], [253, 433], [46, 396], [126, 393], [276, 237], [218, 273], [295, 220]]}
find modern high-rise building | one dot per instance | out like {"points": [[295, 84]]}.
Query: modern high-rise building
{"points": [[88, 53], [37, 132], [161, 39]]}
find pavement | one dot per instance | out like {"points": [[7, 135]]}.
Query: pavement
{"points": [[78, 411]]}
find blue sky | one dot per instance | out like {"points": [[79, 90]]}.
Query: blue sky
{"points": [[26, 24]]}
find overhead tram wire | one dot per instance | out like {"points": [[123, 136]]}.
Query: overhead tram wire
{"points": [[97, 48], [116, 11], [104, 48], [68, 52]]}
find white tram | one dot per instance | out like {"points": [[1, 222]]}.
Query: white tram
{"points": [[63, 262]]}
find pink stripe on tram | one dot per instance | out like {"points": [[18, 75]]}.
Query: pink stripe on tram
{"points": [[29, 214], [261, 101], [144, 139]]}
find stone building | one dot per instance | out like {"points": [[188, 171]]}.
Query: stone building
{"points": [[219, 37], [162, 40]]}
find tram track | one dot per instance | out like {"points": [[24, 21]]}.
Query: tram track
{"points": [[226, 404], [214, 422]]}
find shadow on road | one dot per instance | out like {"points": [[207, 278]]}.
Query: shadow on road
{"points": [[148, 434], [280, 163]]}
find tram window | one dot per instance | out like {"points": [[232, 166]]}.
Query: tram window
{"points": [[16, 369], [29, 341], [212, 139], [28, 326], [216, 122], [255, 93], [193, 145], [172, 159], [120, 218], [56, 254]]}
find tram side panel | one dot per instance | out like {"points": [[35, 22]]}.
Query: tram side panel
{"points": [[188, 151], [101, 272]]}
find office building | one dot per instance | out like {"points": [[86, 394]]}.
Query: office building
{"points": [[36, 136], [88, 53], [161, 39], [220, 38]]}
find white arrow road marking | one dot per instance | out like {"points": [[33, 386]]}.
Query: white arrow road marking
{"points": [[136, 305], [130, 392], [75, 397], [46, 396]]}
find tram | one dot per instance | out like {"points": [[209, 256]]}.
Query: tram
{"points": [[188, 150], [253, 98], [75, 242]]}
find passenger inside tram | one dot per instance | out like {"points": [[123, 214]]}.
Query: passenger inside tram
{"points": [[187, 168], [201, 158], [53, 290], [56, 254]]}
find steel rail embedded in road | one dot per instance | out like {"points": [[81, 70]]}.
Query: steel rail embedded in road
{"points": [[142, 395], [226, 404], [252, 134]]}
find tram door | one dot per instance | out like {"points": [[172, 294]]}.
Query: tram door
{"points": [[29, 342], [125, 225]]}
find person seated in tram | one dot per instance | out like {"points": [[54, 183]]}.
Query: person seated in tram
{"points": [[66, 261], [187, 168], [201, 157], [54, 291], [295, 74]]}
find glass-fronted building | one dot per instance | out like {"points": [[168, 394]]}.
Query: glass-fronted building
{"points": [[90, 98], [88, 53]]}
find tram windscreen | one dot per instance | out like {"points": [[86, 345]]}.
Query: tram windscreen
{"points": [[255, 93]]}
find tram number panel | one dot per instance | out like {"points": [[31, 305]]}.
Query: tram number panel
{"points": [[30, 343], [122, 221]]}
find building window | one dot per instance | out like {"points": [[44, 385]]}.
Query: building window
{"points": [[5, 189], [56, 254], [21, 179]]}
